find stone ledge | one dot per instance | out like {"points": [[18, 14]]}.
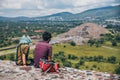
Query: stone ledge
{"points": [[9, 71]]}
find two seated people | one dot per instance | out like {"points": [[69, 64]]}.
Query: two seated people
{"points": [[42, 52]]}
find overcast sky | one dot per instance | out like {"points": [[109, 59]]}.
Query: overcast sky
{"points": [[34, 8]]}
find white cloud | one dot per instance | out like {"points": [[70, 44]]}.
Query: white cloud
{"points": [[1, 13], [58, 4], [11, 6], [46, 7]]}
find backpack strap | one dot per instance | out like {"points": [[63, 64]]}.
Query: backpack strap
{"points": [[47, 69]]}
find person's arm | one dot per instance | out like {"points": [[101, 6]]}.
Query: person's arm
{"points": [[50, 54], [49, 58], [29, 39], [24, 60]]}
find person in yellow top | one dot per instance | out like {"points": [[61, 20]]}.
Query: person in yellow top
{"points": [[23, 49]]}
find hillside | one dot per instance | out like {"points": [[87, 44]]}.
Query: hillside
{"points": [[81, 34], [100, 13]]}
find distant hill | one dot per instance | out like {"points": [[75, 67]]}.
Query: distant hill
{"points": [[97, 13], [3, 18], [104, 12], [58, 16], [81, 34], [14, 18], [62, 14]]}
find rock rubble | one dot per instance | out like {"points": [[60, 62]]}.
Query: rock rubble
{"points": [[10, 71]]}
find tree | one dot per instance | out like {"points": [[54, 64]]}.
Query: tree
{"points": [[98, 58], [91, 42], [97, 44], [101, 41], [81, 62], [117, 37], [108, 37], [112, 59], [3, 57], [117, 70], [114, 43], [94, 66], [73, 57], [12, 57], [77, 65], [90, 58], [67, 63], [59, 56], [16, 41], [72, 43]]}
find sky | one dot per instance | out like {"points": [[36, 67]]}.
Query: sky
{"points": [[35, 8]]}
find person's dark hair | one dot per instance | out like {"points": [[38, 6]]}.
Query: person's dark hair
{"points": [[46, 36]]}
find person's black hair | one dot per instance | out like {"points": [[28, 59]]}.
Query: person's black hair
{"points": [[46, 36]]}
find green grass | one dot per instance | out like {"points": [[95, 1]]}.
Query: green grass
{"points": [[85, 50], [103, 67], [109, 44]]}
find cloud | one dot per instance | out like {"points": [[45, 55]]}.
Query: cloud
{"points": [[45, 7], [58, 4]]}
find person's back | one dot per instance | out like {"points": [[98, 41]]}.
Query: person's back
{"points": [[23, 49], [43, 49], [25, 39]]}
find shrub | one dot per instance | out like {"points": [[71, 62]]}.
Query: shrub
{"points": [[117, 70], [112, 59], [114, 43], [94, 66], [67, 64], [91, 42], [72, 43], [73, 57], [77, 65], [81, 62]]}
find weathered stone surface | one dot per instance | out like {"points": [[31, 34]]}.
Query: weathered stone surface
{"points": [[9, 71]]}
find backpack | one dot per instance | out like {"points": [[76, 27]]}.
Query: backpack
{"points": [[48, 66]]}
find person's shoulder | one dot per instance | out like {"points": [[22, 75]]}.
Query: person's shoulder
{"points": [[28, 36], [49, 45], [39, 43], [23, 36], [45, 43]]}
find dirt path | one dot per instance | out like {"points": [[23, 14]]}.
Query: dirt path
{"points": [[10, 51], [109, 47]]}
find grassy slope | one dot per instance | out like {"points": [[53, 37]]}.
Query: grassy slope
{"points": [[86, 50]]}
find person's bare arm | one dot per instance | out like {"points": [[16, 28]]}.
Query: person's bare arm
{"points": [[24, 59], [49, 58]]}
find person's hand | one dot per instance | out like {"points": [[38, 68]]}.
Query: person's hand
{"points": [[24, 65], [49, 58]]}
